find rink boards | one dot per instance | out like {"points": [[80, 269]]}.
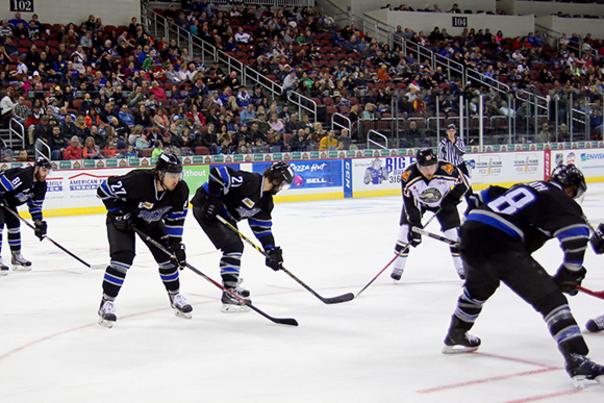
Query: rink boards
{"points": [[73, 191]]}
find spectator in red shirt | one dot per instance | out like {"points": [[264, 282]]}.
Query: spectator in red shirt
{"points": [[74, 151]]}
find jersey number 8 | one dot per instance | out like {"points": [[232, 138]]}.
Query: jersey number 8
{"points": [[513, 201]]}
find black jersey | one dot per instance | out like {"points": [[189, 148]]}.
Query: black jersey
{"points": [[137, 193], [17, 186], [243, 198], [447, 186], [534, 213]]}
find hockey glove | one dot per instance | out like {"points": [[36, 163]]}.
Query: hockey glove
{"points": [[122, 221], [274, 258], [211, 208], [180, 257], [41, 228], [568, 280], [597, 240], [413, 237]]}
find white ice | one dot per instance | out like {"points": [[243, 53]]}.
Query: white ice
{"points": [[383, 347]]}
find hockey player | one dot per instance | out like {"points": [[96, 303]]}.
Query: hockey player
{"points": [[18, 186], [497, 241], [154, 201], [597, 243], [238, 195], [429, 185]]}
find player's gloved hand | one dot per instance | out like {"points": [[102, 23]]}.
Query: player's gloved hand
{"points": [[121, 220], [180, 257], [568, 280], [211, 208], [274, 258], [41, 228], [413, 237], [597, 240]]}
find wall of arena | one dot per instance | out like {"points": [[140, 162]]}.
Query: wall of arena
{"points": [[581, 26], [510, 25], [370, 174], [111, 12], [358, 7], [539, 8]]}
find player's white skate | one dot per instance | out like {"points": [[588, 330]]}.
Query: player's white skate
{"points": [[107, 316], [458, 342], [583, 371], [182, 309], [595, 324], [232, 304], [3, 268], [396, 274], [19, 263]]}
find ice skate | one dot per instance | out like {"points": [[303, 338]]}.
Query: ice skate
{"points": [[458, 342], [107, 316], [3, 268], [583, 371], [182, 309], [232, 304], [595, 324], [19, 263], [396, 274]]}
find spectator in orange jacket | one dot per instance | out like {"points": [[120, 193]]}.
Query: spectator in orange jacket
{"points": [[74, 151]]}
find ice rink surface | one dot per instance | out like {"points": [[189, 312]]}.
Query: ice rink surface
{"points": [[383, 347]]}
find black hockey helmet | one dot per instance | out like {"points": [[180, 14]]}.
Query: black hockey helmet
{"points": [[426, 157], [569, 175], [280, 172], [43, 162], [168, 162]]}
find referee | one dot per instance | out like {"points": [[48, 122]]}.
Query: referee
{"points": [[452, 150]]}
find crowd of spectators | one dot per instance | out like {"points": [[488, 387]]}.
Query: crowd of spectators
{"points": [[351, 73], [94, 91]]}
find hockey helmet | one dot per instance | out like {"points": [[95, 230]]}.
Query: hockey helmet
{"points": [[567, 176], [426, 157], [279, 173], [168, 162], [43, 162]]}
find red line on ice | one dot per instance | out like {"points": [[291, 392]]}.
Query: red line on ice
{"points": [[546, 396], [486, 380]]}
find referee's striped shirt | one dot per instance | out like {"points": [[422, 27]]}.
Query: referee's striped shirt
{"points": [[452, 153]]}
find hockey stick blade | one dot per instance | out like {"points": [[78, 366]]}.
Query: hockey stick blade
{"points": [[340, 298], [597, 294]]}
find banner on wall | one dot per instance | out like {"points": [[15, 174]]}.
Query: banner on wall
{"points": [[589, 161], [310, 174], [510, 167], [195, 176], [376, 175]]}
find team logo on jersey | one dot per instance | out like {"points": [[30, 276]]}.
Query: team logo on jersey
{"points": [[448, 168], [248, 203], [406, 175], [153, 215], [430, 195], [146, 205]]}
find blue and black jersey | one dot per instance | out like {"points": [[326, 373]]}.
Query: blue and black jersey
{"points": [[534, 213], [137, 193], [18, 186], [243, 198]]}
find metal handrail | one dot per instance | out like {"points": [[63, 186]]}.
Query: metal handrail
{"points": [[20, 134], [40, 153], [340, 125], [158, 24], [371, 141]]}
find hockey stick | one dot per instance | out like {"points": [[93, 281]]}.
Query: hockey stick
{"points": [[432, 235], [391, 260], [281, 321], [58, 245], [597, 294], [333, 300]]}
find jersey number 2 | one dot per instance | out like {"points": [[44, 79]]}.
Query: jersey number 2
{"points": [[511, 202]]}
